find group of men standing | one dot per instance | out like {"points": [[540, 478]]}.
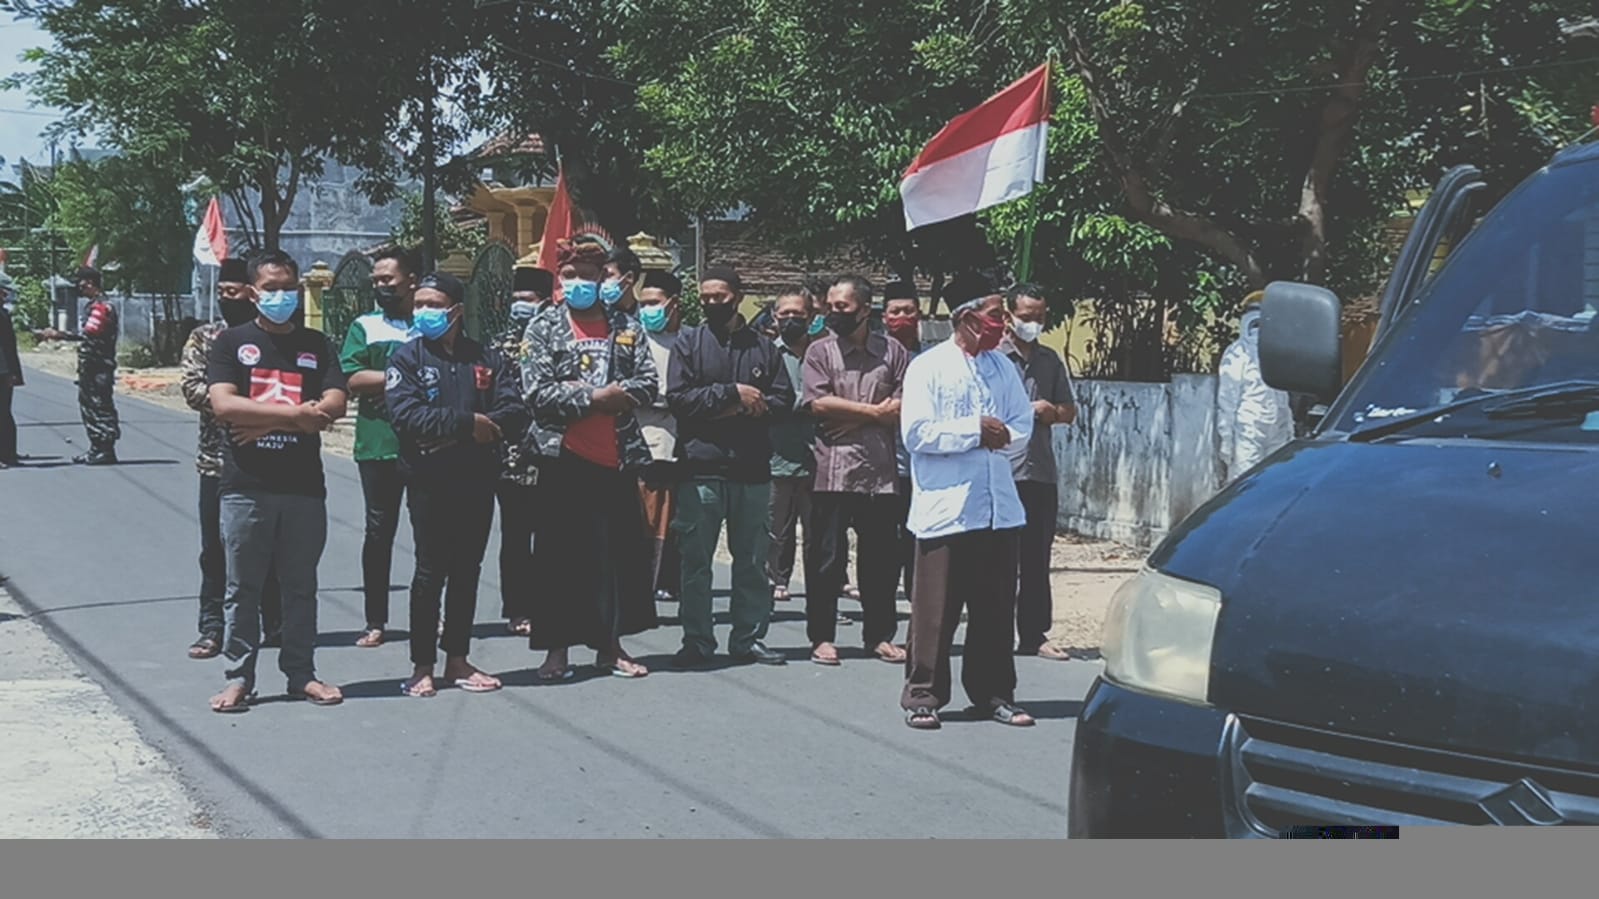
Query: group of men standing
{"points": [[620, 445]]}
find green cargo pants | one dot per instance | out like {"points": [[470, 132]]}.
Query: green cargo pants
{"points": [[702, 505]]}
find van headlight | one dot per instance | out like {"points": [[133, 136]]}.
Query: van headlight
{"points": [[1158, 636]]}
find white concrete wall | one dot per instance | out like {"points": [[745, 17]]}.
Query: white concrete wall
{"points": [[1139, 458]]}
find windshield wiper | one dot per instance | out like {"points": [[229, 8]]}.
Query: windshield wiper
{"points": [[1559, 400]]}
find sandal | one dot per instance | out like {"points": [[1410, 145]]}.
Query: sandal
{"points": [[207, 647], [1005, 713], [830, 661], [780, 594], [1053, 652], [315, 700], [923, 718], [372, 638], [242, 704], [478, 682], [413, 689], [522, 627], [894, 655], [618, 668]]}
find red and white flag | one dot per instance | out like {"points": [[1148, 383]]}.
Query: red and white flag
{"points": [[211, 241], [983, 157], [91, 257]]}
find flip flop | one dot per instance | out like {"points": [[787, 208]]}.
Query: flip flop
{"points": [[467, 684], [243, 705], [409, 689], [1003, 712], [307, 697], [617, 671], [831, 663], [923, 718], [205, 648], [371, 638], [565, 674], [1054, 652]]}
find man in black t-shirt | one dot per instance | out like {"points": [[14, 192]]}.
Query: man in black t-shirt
{"points": [[275, 386]]}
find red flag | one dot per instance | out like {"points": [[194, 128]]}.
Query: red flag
{"points": [[983, 157], [92, 256], [558, 225]]}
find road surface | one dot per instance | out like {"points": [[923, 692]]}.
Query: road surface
{"points": [[106, 560]]}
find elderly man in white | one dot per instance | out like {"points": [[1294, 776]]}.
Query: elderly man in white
{"points": [[965, 417]]}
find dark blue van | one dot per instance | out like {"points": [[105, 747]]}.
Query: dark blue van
{"points": [[1394, 621]]}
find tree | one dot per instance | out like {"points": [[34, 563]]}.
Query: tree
{"points": [[253, 94], [1212, 142]]}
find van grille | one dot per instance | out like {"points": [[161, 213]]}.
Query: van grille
{"points": [[1285, 775]]}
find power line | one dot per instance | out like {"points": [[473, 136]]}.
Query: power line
{"points": [[1440, 76], [33, 112]]}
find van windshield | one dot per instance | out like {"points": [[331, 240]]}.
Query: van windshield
{"points": [[1515, 306]]}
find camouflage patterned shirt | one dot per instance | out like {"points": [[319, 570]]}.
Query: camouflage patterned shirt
{"points": [[209, 460]]}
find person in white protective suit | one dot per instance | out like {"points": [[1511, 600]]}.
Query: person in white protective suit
{"points": [[1252, 419]]}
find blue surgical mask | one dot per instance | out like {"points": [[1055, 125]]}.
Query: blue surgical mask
{"points": [[579, 294], [431, 322], [818, 325], [278, 306], [653, 318], [523, 309], [611, 292]]}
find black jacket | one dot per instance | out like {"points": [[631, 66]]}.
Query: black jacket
{"points": [[700, 385], [10, 365], [433, 396]]}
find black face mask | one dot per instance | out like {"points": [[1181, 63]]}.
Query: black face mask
{"points": [[237, 312], [388, 298], [843, 323], [793, 329], [717, 315]]}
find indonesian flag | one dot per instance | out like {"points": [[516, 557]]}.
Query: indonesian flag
{"points": [[983, 157], [211, 241], [559, 224], [91, 257]]}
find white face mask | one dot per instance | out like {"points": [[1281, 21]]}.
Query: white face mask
{"points": [[1027, 332]]}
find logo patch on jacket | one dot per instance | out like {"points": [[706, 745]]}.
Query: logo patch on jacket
{"points": [[249, 354], [306, 360], [429, 375], [391, 379], [625, 338], [483, 376]]}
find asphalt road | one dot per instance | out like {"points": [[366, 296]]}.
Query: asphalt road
{"points": [[109, 557]]}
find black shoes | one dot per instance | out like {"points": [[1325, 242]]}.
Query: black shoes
{"points": [[690, 657], [760, 655], [96, 457]]}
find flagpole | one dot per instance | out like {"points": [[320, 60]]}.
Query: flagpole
{"points": [[1024, 269], [211, 295]]}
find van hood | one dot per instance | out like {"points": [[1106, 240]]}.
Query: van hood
{"points": [[1441, 594]]}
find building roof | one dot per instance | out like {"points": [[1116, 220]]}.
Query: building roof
{"points": [[766, 268], [509, 143]]}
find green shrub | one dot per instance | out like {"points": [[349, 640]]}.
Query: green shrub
{"points": [[136, 356]]}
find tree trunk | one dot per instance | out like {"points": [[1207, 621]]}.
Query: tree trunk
{"points": [[1336, 126]]}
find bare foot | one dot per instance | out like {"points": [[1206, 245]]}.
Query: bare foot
{"points": [[888, 652], [233, 698], [555, 666], [370, 638], [825, 654], [1053, 652], [522, 627], [619, 663]]}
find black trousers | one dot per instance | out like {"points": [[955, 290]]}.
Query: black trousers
{"points": [[519, 510], [451, 523], [875, 520], [1035, 612], [214, 569], [593, 558], [8, 423], [907, 540], [976, 571], [99, 410], [382, 487]]}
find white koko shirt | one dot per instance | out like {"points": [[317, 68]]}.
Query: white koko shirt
{"points": [[956, 484]]}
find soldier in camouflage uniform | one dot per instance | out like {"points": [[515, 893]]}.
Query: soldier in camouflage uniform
{"points": [[531, 290], [97, 369], [236, 309]]}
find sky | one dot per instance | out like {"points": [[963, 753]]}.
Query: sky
{"points": [[20, 123]]}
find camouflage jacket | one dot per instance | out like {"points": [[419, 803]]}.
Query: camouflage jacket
{"points": [[519, 468], [558, 378], [195, 351], [97, 332]]}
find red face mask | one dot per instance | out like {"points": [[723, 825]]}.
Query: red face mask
{"points": [[902, 327], [989, 333]]}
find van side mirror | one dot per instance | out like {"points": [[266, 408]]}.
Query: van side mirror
{"points": [[1300, 345]]}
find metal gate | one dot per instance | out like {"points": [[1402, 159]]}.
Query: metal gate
{"points": [[350, 296], [488, 292]]}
